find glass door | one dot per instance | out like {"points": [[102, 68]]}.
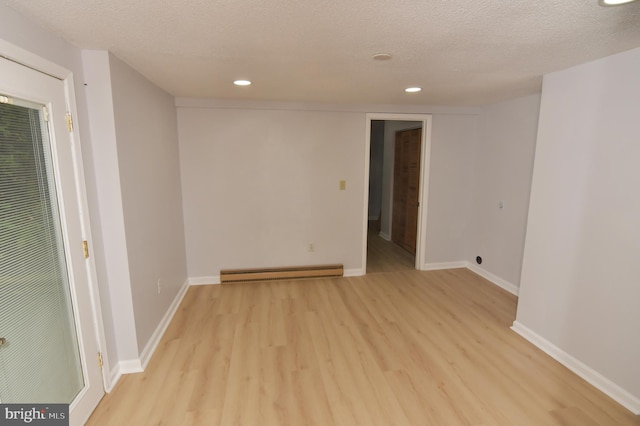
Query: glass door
{"points": [[48, 344], [39, 356]]}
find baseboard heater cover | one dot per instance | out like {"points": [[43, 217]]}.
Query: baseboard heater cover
{"points": [[228, 276]]}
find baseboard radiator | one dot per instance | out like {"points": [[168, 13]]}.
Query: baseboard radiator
{"points": [[229, 276]]}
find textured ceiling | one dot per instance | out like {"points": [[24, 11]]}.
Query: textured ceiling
{"points": [[462, 52]]}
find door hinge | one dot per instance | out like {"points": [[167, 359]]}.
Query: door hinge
{"points": [[69, 122], [100, 363], [6, 100], [85, 249], [45, 113]]}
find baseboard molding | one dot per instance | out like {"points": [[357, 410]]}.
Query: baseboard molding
{"points": [[356, 272], [114, 376], [385, 236], [494, 279], [624, 398], [204, 280], [153, 342], [138, 365], [442, 265], [123, 367], [130, 366], [127, 366], [504, 284]]}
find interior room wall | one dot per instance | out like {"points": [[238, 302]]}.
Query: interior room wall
{"points": [[579, 290], [147, 146], [501, 185], [453, 146], [261, 188], [134, 126], [115, 284], [260, 184]]}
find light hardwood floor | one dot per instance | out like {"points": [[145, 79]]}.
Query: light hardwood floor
{"points": [[398, 348], [386, 256]]}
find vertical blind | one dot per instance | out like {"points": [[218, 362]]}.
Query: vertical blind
{"points": [[40, 360]]}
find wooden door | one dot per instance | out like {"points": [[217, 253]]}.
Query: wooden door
{"points": [[406, 188]]}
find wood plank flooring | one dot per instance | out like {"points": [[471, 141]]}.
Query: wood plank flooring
{"points": [[400, 348], [386, 256]]}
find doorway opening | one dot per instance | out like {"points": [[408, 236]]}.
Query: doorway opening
{"points": [[398, 148]]}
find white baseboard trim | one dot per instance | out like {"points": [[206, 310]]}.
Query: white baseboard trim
{"points": [[138, 365], [624, 398], [442, 265], [127, 366], [114, 376], [153, 342], [123, 367], [204, 280], [506, 285], [385, 236], [130, 366], [357, 272]]}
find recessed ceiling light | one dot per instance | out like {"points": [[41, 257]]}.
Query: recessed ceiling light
{"points": [[413, 89], [614, 2], [382, 56], [242, 82]]}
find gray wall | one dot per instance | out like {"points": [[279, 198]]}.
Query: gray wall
{"points": [[503, 166], [454, 138], [147, 140], [579, 290], [261, 183], [134, 127], [260, 186]]}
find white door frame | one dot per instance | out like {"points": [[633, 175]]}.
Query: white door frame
{"points": [[423, 196], [30, 60]]}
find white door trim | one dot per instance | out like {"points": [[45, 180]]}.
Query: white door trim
{"points": [[423, 198], [35, 62]]}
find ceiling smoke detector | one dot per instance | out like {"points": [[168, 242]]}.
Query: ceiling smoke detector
{"points": [[382, 56]]}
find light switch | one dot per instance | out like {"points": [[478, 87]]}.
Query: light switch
{"points": [[343, 185]]}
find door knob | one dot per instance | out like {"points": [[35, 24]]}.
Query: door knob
{"points": [[2, 341]]}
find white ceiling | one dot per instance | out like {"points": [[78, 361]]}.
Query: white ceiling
{"points": [[462, 52]]}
